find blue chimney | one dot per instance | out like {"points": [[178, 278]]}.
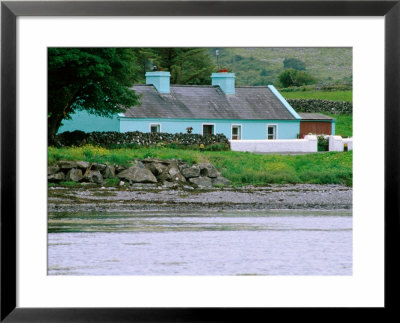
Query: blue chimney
{"points": [[226, 81], [160, 80]]}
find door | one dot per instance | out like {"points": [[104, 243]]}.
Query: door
{"points": [[208, 129]]}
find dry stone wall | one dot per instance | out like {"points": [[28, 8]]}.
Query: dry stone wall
{"points": [[167, 173]]}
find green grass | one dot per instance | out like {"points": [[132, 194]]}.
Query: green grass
{"points": [[239, 167], [323, 95], [344, 124]]}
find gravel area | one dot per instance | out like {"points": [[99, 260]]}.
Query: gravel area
{"points": [[147, 197]]}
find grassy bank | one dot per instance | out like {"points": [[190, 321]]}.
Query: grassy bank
{"points": [[240, 168], [344, 124], [322, 95]]}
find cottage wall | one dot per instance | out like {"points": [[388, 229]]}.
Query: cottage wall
{"points": [[82, 120], [250, 129]]}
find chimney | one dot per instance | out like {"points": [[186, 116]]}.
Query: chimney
{"points": [[225, 80], [160, 80]]}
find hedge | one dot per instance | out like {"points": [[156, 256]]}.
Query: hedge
{"points": [[323, 106], [113, 139]]}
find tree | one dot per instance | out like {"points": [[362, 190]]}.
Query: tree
{"points": [[293, 77], [186, 65], [93, 79], [294, 63]]}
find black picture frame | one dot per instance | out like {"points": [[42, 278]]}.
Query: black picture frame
{"points": [[10, 10]]}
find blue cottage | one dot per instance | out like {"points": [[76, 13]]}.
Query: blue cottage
{"points": [[246, 112]]}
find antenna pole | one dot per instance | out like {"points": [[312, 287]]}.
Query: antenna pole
{"points": [[217, 54]]}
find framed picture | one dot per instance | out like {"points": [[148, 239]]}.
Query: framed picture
{"points": [[161, 299]]}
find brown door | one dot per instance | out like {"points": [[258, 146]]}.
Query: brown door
{"points": [[208, 129], [315, 127]]}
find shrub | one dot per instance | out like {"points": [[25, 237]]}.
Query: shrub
{"points": [[323, 143]]}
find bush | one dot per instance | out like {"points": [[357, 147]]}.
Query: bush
{"points": [[323, 143], [292, 77]]}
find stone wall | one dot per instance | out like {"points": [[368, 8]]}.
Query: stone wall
{"points": [[167, 173], [134, 139]]}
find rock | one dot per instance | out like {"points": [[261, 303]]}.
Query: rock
{"points": [[51, 170], [119, 168], [156, 168], [208, 170], [58, 177], [99, 167], [137, 175], [191, 172], [167, 184], [74, 174], [174, 174], [137, 163], [67, 164], [93, 176], [220, 181], [121, 183], [202, 181], [82, 164], [109, 171]]}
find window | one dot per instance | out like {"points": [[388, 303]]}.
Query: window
{"points": [[271, 132], [236, 132], [208, 129], [155, 128]]}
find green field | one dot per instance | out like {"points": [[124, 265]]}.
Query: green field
{"points": [[344, 125], [322, 95], [239, 167], [262, 65]]}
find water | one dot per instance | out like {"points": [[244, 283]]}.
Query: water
{"points": [[283, 242]]}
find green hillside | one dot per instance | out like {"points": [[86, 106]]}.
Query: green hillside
{"points": [[261, 66]]}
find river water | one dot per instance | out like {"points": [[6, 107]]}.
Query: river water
{"points": [[281, 242]]}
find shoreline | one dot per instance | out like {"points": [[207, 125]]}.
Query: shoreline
{"points": [[155, 198]]}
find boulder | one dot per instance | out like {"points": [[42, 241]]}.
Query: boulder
{"points": [[99, 167], [202, 182], [119, 168], [208, 170], [137, 163], [51, 170], [137, 175], [191, 172], [109, 172], [220, 181], [156, 168], [93, 176], [67, 164], [58, 177], [174, 174], [74, 174], [82, 164]]}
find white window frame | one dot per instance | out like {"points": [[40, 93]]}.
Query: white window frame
{"points": [[241, 130], [207, 124], [154, 124], [276, 130]]}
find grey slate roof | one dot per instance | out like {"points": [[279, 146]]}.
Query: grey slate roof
{"points": [[313, 116], [208, 102]]}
